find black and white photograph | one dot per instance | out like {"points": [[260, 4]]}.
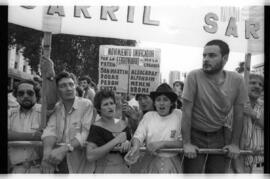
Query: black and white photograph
{"points": [[136, 88]]}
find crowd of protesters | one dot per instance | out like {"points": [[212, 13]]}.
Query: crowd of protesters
{"points": [[102, 132]]}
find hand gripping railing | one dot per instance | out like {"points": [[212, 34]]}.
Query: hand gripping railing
{"points": [[143, 149], [179, 150]]}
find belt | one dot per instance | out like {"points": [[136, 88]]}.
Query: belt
{"points": [[259, 164], [219, 131]]}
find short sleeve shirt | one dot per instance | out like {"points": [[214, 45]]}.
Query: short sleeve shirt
{"points": [[154, 127], [212, 102]]}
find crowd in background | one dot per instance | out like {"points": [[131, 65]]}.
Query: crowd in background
{"points": [[103, 131]]}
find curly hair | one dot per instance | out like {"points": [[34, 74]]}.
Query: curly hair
{"points": [[101, 95], [31, 82]]}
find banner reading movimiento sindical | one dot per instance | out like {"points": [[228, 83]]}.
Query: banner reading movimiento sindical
{"points": [[129, 69]]}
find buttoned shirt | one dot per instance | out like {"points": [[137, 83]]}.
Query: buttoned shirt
{"points": [[66, 126], [27, 122], [72, 124]]}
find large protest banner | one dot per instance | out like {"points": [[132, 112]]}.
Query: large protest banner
{"points": [[129, 69], [182, 25]]}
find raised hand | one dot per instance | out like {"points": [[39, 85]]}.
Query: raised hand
{"points": [[47, 67]]}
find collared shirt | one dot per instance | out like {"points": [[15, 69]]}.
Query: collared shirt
{"points": [[254, 134], [75, 123], [28, 122]]}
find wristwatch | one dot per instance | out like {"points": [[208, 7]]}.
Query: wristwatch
{"points": [[70, 147], [50, 78]]}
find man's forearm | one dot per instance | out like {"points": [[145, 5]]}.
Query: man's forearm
{"points": [[186, 126], [186, 121], [237, 125], [237, 128], [48, 143]]}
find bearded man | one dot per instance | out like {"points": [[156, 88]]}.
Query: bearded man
{"points": [[23, 125], [209, 95]]}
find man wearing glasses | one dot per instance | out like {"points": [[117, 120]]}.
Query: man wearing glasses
{"points": [[23, 125]]}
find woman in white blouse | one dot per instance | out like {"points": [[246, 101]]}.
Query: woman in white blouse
{"points": [[158, 129]]}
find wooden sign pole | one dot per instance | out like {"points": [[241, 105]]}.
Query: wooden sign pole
{"points": [[247, 68], [46, 52]]}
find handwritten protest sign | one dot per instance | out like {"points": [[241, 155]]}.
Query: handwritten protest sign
{"points": [[129, 69]]}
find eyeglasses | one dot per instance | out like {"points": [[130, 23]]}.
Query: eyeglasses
{"points": [[28, 92]]}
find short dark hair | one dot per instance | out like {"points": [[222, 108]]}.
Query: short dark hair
{"points": [[79, 91], [168, 96], [87, 78], [181, 84], [224, 47], [257, 76], [64, 74], [101, 95], [31, 82]]}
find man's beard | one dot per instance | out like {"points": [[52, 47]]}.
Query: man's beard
{"points": [[215, 69], [27, 106]]}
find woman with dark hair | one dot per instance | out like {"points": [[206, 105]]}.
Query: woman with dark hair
{"points": [[106, 134], [158, 129]]}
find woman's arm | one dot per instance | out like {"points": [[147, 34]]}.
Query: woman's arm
{"points": [[93, 152]]}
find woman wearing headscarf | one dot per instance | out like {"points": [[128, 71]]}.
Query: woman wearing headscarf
{"points": [[106, 134], [158, 129]]}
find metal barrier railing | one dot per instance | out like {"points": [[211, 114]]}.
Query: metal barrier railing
{"points": [[179, 150]]}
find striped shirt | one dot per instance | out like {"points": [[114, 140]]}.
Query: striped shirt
{"points": [[254, 134]]}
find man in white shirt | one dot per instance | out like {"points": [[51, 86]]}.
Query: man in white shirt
{"points": [[85, 83], [23, 125], [69, 124]]}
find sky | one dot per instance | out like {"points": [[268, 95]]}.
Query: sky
{"points": [[186, 58]]}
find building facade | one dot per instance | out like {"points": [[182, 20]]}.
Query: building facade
{"points": [[176, 76], [18, 67]]}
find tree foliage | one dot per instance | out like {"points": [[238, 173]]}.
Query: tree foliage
{"points": [[76, 54], [27, 40], [79, 54]]}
